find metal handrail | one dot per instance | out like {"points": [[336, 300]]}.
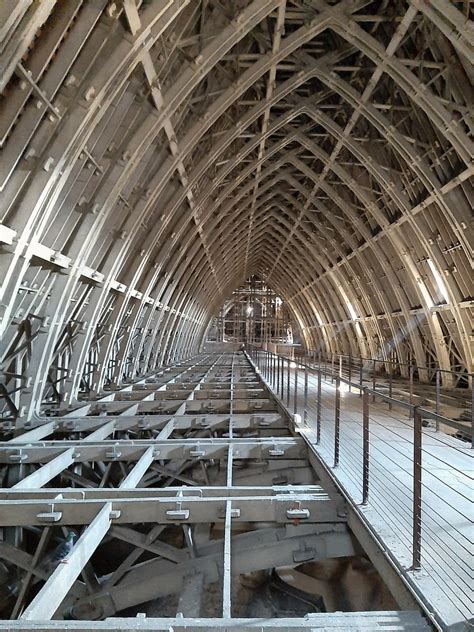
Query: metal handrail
{"points": [[358, 363], [447, 421], [393, 363], [273, 370]]}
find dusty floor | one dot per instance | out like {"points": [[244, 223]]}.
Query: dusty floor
{"points": [[271, 599]]}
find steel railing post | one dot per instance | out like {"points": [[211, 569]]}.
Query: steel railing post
{"points": [[280, 389], [438, 395], [280, 382], [305, 404], [417, 469], [288, 383], [277, 373], [374, 380], [350, 373], [365, 446], [337, 420], [390, 383], [412, 371], [295, 403], [318, 408], [472, 411], [282, 378]]}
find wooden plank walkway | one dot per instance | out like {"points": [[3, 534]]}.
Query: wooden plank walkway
{"points": [[445, 580]]}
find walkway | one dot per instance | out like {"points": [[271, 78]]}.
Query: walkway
{"points": [[445, 581]]}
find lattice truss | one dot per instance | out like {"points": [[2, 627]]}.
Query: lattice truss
{"points": [[159, 481], [156, 154]]}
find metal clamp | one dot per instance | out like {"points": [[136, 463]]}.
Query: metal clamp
{"points": [[113, 454], [297, 513], [50, 516], [17, 456], [275, 451]]}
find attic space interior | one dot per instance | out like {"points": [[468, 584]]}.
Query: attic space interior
{"points": [[236, 308]]}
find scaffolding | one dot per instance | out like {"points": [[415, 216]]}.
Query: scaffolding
{"points": [[254, 314]]}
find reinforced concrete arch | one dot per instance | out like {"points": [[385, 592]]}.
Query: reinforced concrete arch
{"points": [[133, 204]]}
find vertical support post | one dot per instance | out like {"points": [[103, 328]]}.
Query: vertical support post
{"points": [[337, 420], [438, 395], [390, 382], [295, 402], [280, 369], [365, 447], [288, 382], [361, 377], [277, 373], [227, 570], [318, 408], [417, 468], [305, 402], [374, 381], [411, 373], [227, 579], [282, 378], [472, 411]]}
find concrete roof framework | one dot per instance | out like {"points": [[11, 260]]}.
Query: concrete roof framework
{"points": [[199, 469], [254, 314], [155, 154]]}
